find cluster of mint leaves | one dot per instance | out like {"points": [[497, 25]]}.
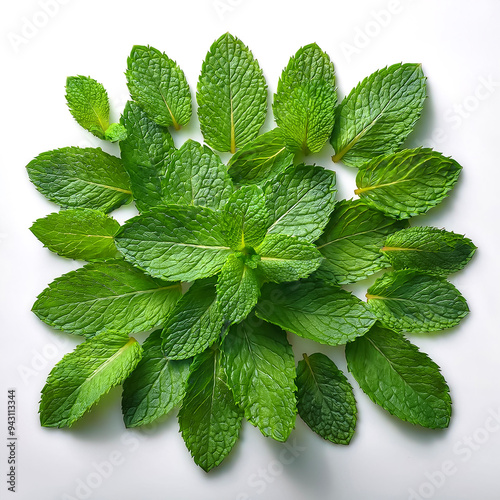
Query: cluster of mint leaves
{"points": [[223, 260]]}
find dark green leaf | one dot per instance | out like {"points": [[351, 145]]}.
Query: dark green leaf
{"points": [[156, 385], [325, 400], [400, 378]]}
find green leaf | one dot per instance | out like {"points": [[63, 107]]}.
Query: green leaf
{"points": [[351, 242], [175, 242], [195, 323], [315, 310], [116, 132], [415, 302], [79, 233], [300, 200], [407, 183], [156, 385], [261, 159], [238, 289], [88, 102], [145, 154], [232, 95], [104, 297], [209, 419], [260, 368], [304, 105], [284, 258], [428, 249], [325, 399], [246, 217], [81, 178], [195, 175], [400, 378], [378, 114], [80, 379], [159, 86]]}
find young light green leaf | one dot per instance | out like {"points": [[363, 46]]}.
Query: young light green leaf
{"points": [[351, 242], [414, 302], [81, 178], [106, 297], [407, 183], [261, 159], [232, 95], [80, 233], [195, 323], [315, 310], [300, 201], [209, 419], [80, 379], [238, 288], [145, 153], [325, 399], [175, 242], [378, 114], [285, 258], [428, 249], [88, 102], [260, 368], [195, 175], [116, 132], [159, 86], [156, 385], [246, 217], [400, 378], [304, 105]]}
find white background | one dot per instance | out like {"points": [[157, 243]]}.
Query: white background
{"points": [[457, 43]]}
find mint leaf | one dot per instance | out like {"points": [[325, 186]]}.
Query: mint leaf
{"points": [[195, 175], [300, 201], [351, 242], [115, 132], [400, 378], [175, 242], [378, 114], [304, 104], [238, 289], [414, 302], [195, 323], [284, 258], [104, 297], [261, 159], [407, 183], [246, 217], [325, 400], [209, 419], [145, 153], [260, 368], [88, 103], [80, 379], [156, 385], [81, 178], [159, 86], [79, 233], [315, 310], [428, 249], [232, 95]]}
